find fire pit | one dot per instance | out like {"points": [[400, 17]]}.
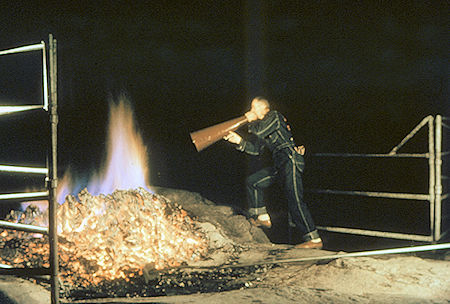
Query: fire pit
{"points": [[129, 244]]}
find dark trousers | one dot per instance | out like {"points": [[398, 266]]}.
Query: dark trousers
{"points": [[290, 176]]}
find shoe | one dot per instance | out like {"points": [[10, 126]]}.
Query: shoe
{"points": [[312, 244], [261, 223]]}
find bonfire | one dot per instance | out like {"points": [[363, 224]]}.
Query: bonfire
{"points": [[117, 231]]}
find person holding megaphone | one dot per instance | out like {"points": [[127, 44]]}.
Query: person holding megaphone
{"points": [[274, 133]]}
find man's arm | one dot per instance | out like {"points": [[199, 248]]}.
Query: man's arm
{"points": [[268, 125], [243, 145]]}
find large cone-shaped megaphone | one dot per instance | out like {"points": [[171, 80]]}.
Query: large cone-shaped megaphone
{"points": [[205, 137]]}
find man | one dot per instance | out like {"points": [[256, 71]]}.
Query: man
{"points": [[273, 132]]}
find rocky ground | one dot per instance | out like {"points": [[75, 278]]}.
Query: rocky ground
{"points": [[414, 278]]}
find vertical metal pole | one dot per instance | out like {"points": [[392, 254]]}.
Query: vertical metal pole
{"points": [[44, 76], [53, 234], [432, 175], [438, 163]]}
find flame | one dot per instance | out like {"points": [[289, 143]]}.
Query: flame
{"points": [[127, 163], [119, 226], [65, 185]]}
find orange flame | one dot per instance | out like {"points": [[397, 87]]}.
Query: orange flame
{"points": [[119, 230], [127, 163], [126, 166]]}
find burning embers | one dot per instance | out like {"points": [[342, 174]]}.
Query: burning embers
{"points": [[125, 231], [115, 236]]}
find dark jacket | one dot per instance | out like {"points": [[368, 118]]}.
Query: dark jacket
{"points": [[273, 133]]}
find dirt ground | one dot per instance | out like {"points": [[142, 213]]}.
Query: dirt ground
{"points": [[399, 279], [377, 279], [394, 279]]}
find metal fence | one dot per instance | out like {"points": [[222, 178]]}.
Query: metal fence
{"points": [[435, 196], [50, 172]]}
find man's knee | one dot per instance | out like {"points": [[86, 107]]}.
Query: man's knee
{"points": [[251, 182]]}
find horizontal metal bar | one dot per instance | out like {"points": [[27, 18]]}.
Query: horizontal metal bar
{"points": [[27, 48], [370, 253], [402, 155], [445, 153], [23, 227], [20, 169], [409, 196], [4, 110], [327, 257], [391, 235], [444, 196], [25, 271], [23, 195]]}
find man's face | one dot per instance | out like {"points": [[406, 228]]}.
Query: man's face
{"points": [[259, 109]]}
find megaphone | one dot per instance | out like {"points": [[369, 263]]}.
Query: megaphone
{"points": [[205, 137]]}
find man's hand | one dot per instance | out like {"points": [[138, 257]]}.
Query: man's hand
{"points": [[251, 116], [233, 137], [300, 150]]}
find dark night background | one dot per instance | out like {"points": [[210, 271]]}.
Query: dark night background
{"points": [[350, 77]]}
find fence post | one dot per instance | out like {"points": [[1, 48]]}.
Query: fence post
{"points": [[438, 186], [432, 175], [52, 182]]}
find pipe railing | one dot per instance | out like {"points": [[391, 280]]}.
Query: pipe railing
{"points": [[440, 229], [23, 195], [407, 196], [23, 227], [49, 172], [20, 169], [387, 155], [434, 196], [21, 49], [5, 110]]}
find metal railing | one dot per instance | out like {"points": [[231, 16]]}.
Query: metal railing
{"points": [[435, 197], [49, 172]]}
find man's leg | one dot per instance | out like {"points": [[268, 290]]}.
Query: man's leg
{"points": [[256, 183], [298, 209]]}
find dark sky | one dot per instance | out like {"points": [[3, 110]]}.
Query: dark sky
{"points": [[350, 77]]}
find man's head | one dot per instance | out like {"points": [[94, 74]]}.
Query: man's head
{"points": [[260, 106]]}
